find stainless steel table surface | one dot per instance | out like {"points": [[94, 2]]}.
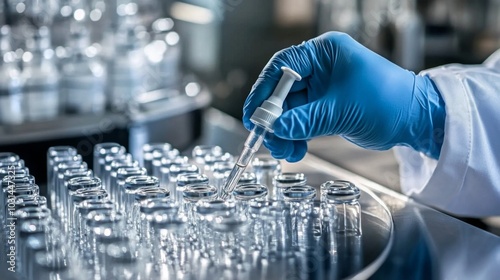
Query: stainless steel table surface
{"points": [[427, 244]]}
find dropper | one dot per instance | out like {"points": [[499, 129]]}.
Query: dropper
{"points": [[263, 118]]}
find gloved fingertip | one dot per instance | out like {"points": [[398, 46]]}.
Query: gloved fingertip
{"points": [[300, 150]]}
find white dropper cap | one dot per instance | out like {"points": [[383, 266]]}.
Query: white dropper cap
{"points": [[271, 109]]}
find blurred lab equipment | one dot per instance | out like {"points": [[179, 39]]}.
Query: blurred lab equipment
{"points": [[41, 77], [11, 98]]}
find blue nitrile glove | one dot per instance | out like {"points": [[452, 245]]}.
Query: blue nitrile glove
{"points": [[351, 91]]}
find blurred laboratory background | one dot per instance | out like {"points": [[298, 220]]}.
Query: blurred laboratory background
{"points": [[82, 72]]}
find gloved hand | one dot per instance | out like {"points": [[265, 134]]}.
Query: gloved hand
{"points": [[351, 91]]}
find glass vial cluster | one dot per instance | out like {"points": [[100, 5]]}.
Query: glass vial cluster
{"points": [[119, 221]]}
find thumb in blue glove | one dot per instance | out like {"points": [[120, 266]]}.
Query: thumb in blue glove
{"points": [[349, 90]]}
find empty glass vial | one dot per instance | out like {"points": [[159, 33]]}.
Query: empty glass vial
{"points": [[345, 211], [185, 180], [245, 193], [58, 171], [58, 151], [41, 77], [11, 97], [147, 210], [101, 151], [111, 183], [143, 194], [230, 241], [104, 227], [124, 160], [300, 199], [200, 152], [77, 198], [71, 187], [210, 160], [121, 176], [51, 173], [9, 185], [171, 156], [266, 168], [271, 228], [171, 249], [176, 170], [106, 166], [194, 193], [81, 211], [132, 184], [48, 228], [206, 210], [37, 243], [83, 78], [13, 192], [286, 180], [8, 159], [148, 151], [61, 189], [334, 185], [163, 170]]}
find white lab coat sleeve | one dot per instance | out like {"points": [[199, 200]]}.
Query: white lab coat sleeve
{"points": [[466, 179]]}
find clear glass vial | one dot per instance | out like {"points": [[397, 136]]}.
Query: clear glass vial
{"points": [[345, 211], [286, 180]]}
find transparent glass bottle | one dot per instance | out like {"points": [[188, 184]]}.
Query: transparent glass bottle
{"points": [[41, 78], [166, 157], [83, 80], [11, 83], [286, 180]]}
